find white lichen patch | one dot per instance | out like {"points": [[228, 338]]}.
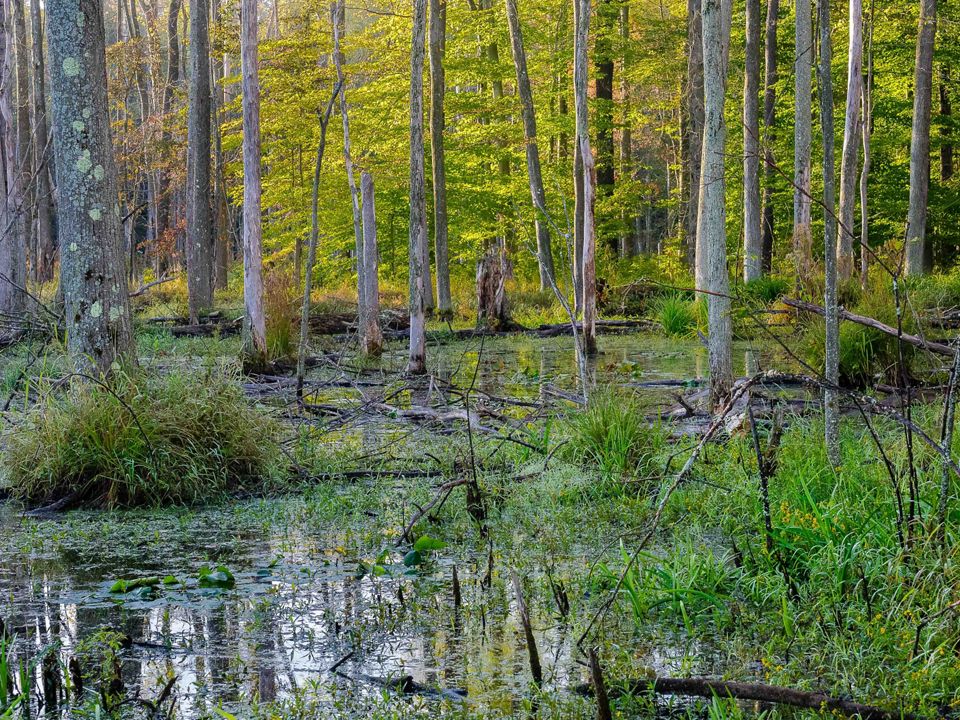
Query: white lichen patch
{"points": [[84, 163], [98, 172], [94, 214], [96, 310], [71, 67], [87, 112], [78, 125], [114, 313], [73, 247]]}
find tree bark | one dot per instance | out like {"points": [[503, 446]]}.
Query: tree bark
{"points": [[24, 148], [920, 140], [712, 220], [255, 330], [438, 88], [607, 12], [99, 332], [588, 268], [831, 405], [199, 214], [537, 193], [694, 134], [419, 275], [46, 240], [802, 135], [946, 137], [866, 130], [770, 79], [370, 333], [629, 233], [164, 220], [851, 142], [13, 256], [752, 241]]}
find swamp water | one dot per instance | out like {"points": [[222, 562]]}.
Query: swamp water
{"points": [[311, 584]]}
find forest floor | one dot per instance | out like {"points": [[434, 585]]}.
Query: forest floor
{"points": [[390, 576]]}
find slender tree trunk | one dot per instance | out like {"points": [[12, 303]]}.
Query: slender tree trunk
{"points": [[13, 255], [711, 227], [419, 274], [338, 17], [588, 271], [831, 409], [607, 12], [695, 120], [165, 205], [371, 336], [99, 333], [802, 251], [946, 134], [199, 215], [851, 142], [769, 125], [438, 88], [255, 330], [866, 130], [46, 240], [544, 253], [920, 140], [752, 241], [24, 147], [629, 237], [221, 208]]}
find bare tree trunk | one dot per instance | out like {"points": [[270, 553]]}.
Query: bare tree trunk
{"points": [[769, 123], [606, 17], [438, 88], [629, 235], [544, 253], [24, 148], [694, 134], [802, 240], [851, 142], [13, 256], [199, 215], [165, 206], [99, 332], [588, 272], [865, 132], [338, 21], [752, 241], [419, 275], [255, 330], [946, 137], [370, 335], [221, 208], [831, 408], [46, 240], [579, 210], [712, 219], [920, 140]]}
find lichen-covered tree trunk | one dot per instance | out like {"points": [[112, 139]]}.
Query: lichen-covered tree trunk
{"points": [[199, 241], [255, 331], [851, 142], [588, 266], [370, 335], [769, 126], [24, 146], [13, 259], [866, 130], [535, 177], [802, 240], [711, 227], [920, 141], [46, 241], [221, 206], [578, 202], [831, 409], [165, 205], [99, 335], [694, 130], [419, 277], [752, 243], [438, 89]]}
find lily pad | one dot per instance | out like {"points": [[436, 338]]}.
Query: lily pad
{"points": [[218, 577]]}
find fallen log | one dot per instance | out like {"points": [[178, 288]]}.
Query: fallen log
{"points": [[870, 322], [760, 692]]}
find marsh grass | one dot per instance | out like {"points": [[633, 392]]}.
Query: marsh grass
{"points": [[146, 440], [281, 305], [677, 315]]}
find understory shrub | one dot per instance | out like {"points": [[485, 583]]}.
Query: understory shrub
{"points": [[147, 439]]}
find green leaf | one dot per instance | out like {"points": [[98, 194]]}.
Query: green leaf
{"points": [[220, 577], [125, 586], [428, 544], [412, 558]]}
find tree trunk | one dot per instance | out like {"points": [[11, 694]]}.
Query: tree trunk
{"points": [[851, 142], [831, 409], [711, 227], [255, 330], [13, 257], [537, 194], [46, 240], [607, 12], [370, 335], [752, 242], [694, 134], [99, 331], [588, 268], [629, 236], [769, 122], [946, 136], [199, 215], [438, 88], [24, 148], [866, 129], [419, 275], [802, 251], [164, 219], [221, 207], [920, 140]]}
